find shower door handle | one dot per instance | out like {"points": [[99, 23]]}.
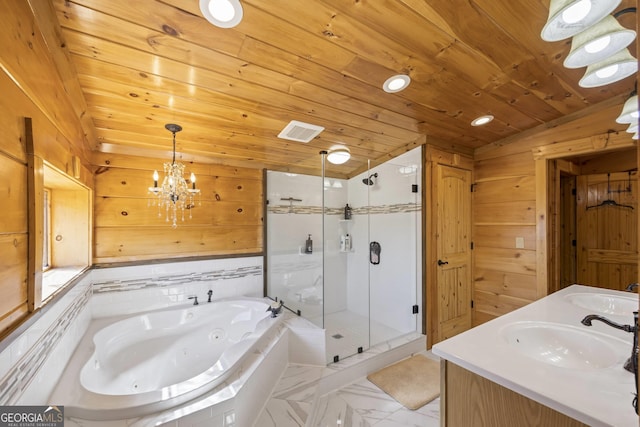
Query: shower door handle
{"points": [[440, 262]]}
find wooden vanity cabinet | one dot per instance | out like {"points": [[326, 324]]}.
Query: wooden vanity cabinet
{"points": [[469, 400]]}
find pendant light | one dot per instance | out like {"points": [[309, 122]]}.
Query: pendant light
{"points": [[629, 112], [598, 43], [570, 17], [610, 70]]}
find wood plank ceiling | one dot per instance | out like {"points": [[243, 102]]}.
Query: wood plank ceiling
{"points": [[141, 64]]}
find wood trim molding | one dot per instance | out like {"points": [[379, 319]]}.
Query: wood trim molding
{"points": [[35, 203], [542, 156], [577, 147]]}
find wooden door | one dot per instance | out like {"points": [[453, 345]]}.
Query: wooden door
{"points": [[607, 230], [453, 246]]}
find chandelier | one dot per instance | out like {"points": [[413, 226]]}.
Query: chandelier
{"points": [[174, 194]]}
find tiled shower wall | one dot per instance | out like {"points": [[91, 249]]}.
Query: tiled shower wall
{"points": [[33, 359], [388, 212]]}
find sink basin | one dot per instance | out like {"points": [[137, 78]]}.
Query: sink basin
{"points": [[605, 303], [565, 346]]}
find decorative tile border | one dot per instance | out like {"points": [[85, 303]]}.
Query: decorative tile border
{"points": [[363, 210], [176, 279], [22, 373], [18, 378]]}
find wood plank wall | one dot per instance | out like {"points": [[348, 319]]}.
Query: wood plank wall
{"points": [[227, 218], [504, 207], [30, 87]]}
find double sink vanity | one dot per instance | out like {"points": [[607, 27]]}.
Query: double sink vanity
{"points": [[539, 365]]}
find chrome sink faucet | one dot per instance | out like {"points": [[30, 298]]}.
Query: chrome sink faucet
{"points": [[631, 287], [631, 364]]}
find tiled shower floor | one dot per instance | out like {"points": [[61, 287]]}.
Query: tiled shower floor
{"points": [[346, 331]]}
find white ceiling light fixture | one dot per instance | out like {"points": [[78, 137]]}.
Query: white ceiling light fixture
{"points": [[482, 120], [338, 156], [570, 17], [598, 42], [616, 67], [629, 112], [222, 13], [396, 83]]}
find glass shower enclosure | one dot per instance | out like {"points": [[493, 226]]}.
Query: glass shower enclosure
{"points": [[345, 253]]}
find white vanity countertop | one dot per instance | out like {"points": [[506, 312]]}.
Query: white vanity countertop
{"points": [[597, 397]]}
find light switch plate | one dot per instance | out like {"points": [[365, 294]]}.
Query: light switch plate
{"points": [[519, 242]]}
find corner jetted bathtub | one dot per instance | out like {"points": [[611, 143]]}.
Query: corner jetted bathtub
{"points": [[157, 360]]}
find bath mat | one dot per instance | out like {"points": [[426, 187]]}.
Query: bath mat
{"points": [[413, 382]]}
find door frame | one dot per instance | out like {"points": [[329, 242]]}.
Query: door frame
{"points": [[545, 194], [432, 157]]}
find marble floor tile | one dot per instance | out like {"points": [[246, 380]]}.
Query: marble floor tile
{"points": [[294, 403], [369, 401], [334, 411], [284, 413], [427, 416], [298, 383]]}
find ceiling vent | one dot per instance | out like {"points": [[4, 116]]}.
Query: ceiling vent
{"points": [[300, 131]]}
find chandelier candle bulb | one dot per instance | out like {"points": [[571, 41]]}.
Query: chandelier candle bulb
{"points": [[155, 179], [193, 180]]}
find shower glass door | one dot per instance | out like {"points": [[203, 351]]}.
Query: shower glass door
{"points": [[395, 233], [360, 280], [346, 302], [294, 216]]}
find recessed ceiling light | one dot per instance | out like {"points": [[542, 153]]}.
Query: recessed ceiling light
{"points": [[396, 83], [222, 13], [482, 120]]}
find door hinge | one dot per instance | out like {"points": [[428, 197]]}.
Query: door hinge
{"points": [[573, 192], [574, 242], [473, 187], [471, 245], [414, 309], [471, 303], [414, 188]]}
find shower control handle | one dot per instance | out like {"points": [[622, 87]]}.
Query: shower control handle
{"points": [[440, 262]]}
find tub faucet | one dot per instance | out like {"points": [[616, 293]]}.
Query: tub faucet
{"points": [[631, 287], [275, 308], [209, 294], [631, 364], [195, 300]]}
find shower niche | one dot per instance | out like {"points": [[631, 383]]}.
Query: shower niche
{"points": [[359, 301]]}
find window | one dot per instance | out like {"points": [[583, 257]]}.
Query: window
{"points": [[66, 230]]}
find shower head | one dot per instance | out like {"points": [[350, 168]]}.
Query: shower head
{"points": [[369, 181]]}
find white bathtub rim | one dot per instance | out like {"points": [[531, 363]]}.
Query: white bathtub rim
{"points": [[82, 403]]}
